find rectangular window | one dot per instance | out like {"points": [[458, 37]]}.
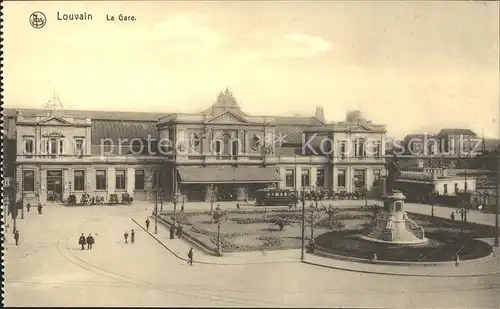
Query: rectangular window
{"points": [[343, 149], [28, 181], [218, 148], [234, 148], [61, 147], [456, 188], [359, 149], [79, 180], [139, 180], [306, 182], [341, 178], [290, 178], [376, 150], [359, 179], [79, 146], [445, 189], [52, 146], [376, 175], [101, 181], [29, 146], [320, 177], [120, 180]]}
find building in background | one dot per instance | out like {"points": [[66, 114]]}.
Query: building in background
{"points": [[221, 152]]}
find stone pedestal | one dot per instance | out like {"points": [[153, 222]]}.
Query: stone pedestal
{"points": [[393, 225]]}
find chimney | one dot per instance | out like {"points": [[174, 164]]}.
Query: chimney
{"points": [[320, 114]]}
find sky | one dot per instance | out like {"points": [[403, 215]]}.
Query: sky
{"points": [[413, 66]]}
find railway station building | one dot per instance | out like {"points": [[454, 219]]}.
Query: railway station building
{"points": [[218, 153]]}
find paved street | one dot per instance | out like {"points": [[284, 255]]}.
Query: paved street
{"points": [[48, 269]]}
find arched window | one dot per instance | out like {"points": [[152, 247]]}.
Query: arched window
{"points": [[226, 143]]}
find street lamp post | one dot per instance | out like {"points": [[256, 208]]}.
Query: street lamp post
{"points": [[431, 200], [303, 220], [156, 205], [218, 238], [218, 215], [161, 201], [497, 199]]}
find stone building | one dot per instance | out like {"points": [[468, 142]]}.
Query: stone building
{"points": [[418, 184], [218, 153]]}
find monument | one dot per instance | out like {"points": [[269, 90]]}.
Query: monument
{"points": [[392, 225]]}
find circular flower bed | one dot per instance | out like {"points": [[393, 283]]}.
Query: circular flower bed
{"points": [[443, 246]]}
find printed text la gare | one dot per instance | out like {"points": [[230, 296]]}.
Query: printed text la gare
{"points": [[121, 17]]}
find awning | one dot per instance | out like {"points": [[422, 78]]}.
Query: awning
{"points": [[212, 174]]}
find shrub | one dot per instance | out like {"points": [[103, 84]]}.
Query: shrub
{"points": [[182, 218], [271, 242], [249, 220], [281, 222]]}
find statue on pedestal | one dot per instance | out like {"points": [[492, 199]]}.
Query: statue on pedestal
{"points": [[393, 173]]}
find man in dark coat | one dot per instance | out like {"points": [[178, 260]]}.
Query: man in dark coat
{"points": [[16, 237], [147, 224], [39, 208], [28, 207], [82, 241], [132, 236], [172, 232], [126, 237], [190, 256], [179, 231], [90, 241]]}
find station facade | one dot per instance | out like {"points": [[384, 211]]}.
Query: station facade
{"points": [[219, 153]]}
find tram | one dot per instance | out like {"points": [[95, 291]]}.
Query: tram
{"points": [[275, 197]]}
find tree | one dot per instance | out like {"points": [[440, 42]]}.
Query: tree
{"points": [[333, 220], [281, 223], [218, 216]]}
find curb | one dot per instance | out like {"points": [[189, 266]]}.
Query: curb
{"points": [[441, 265], [202, 262], [398, 274]]}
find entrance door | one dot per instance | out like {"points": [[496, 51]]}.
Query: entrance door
{"points": [[54, 185], [226, 192]]}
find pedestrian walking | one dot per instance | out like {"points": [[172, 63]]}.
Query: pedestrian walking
{"points": [[82, 241], [190, 257], [182, 208], [126, 237], [39, 208], [16, 237], [452, 216], [147, 224], [90, 241], [172, 232], [132, 236], [28, 207], [238, 206], [179, 231]]}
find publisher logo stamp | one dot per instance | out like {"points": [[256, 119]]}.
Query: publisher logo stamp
{"points": [[38, 20]]}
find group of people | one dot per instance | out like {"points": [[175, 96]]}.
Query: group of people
{"points": [[89, 241], [39, 208], [132, 236]]}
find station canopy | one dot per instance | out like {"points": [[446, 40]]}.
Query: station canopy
{"points": [[218, 174]]}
